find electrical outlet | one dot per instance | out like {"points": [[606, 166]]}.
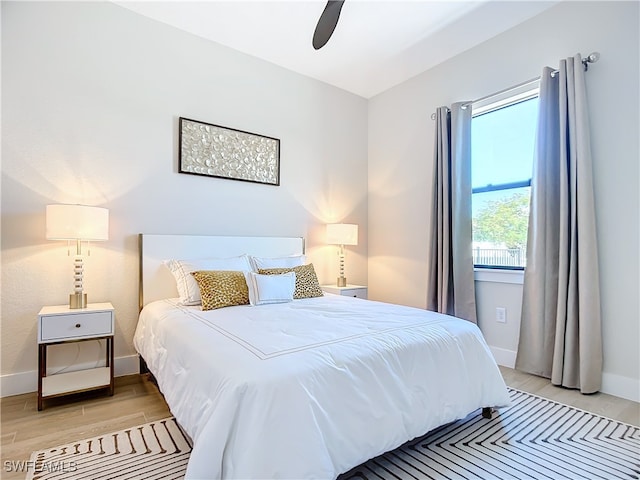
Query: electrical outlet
{"points": [[501, 314]]}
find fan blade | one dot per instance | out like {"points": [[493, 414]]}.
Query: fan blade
{"points": [[327, 23]]}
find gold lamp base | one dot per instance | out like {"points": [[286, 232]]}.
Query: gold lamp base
{"points": [[77, 300], [342, 281]]}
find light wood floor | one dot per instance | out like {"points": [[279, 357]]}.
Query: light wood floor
{"points": [[137, 400], [609, 406]]}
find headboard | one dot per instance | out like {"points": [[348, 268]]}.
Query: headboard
{"points": [[157, 282]]}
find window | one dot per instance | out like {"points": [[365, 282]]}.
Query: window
{"points": [[502, 142]]}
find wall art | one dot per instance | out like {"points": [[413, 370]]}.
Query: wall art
{"points": [[216, 151]]}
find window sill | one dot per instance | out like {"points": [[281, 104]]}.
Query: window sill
{"points": [[498, 275]]}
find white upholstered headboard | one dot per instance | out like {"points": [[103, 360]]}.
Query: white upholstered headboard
{"points": [[157, 282]]}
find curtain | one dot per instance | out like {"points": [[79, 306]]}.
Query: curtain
{"points": [[450, 281], [560, 332]]}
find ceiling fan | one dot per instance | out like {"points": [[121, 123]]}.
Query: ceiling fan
{"points": [[327, 23]]}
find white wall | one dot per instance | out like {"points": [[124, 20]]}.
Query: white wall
{"points": [[91, 95], [400, 168]]}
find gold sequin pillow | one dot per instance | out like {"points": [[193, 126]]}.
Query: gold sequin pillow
{"points": [[221, 288], [307, 285]]}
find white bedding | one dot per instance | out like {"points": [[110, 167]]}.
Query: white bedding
{"points": [[314, 387]]}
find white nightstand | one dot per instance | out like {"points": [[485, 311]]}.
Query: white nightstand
{"points": [[357, 291], [61, 324]]}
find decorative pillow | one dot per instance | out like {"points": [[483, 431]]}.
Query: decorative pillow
{"points": [[307, 285], [186, 284], [264, 289], [220, 288], [277, 262]]}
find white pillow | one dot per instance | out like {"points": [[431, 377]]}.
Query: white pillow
{"points": [[187, 285], [264, 289], [277, 262]]}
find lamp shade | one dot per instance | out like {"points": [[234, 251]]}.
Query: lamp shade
{"points": [[77, 222], [342, 234]]}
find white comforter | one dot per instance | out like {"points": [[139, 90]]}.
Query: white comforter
{"points": [[311, 388]]}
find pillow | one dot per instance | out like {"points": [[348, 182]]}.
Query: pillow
{"points": [[187, 285], [307, 285], [277, 262], [265, 289], [220, 288]]}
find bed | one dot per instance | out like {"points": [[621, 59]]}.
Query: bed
{"points": [[308, 388]]}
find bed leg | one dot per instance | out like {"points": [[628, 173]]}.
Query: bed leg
{"points": [[487, 412], [143, 365], [144, 370]]}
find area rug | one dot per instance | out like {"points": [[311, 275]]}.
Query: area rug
{"points": [[155, 450], [534, 438]]}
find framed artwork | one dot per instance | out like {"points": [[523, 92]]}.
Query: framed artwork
{"points": [[216, 151]]}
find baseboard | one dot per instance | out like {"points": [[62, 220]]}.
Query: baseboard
{"points": [[504, 357], [620, 386], [26, 382]]}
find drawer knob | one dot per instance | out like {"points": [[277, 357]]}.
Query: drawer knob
{"points": [[77, 325]]}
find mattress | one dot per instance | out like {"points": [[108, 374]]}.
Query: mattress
{"points": [[313, 387]]}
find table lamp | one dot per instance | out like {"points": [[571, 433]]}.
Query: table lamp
{"points": [[82, 224], [342, 234]]}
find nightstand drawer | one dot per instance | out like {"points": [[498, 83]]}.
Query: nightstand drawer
{"points": [[357, 291], [354, 292], [77, 325]]}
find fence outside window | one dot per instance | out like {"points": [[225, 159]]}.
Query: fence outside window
{"points": [[499, 257]]}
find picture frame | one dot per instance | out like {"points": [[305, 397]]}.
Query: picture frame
{"points": [[212, 150]]}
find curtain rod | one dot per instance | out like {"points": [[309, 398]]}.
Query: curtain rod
{"points": [[591, 58]]}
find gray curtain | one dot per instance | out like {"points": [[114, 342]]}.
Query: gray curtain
{"points": [[450, 281], [560, 333]]}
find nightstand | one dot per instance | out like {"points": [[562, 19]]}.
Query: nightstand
{"points": [[61, 324], [357, 291]]}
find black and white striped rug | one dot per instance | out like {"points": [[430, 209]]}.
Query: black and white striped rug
{"points": [[155, 450], [535, 438]]}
